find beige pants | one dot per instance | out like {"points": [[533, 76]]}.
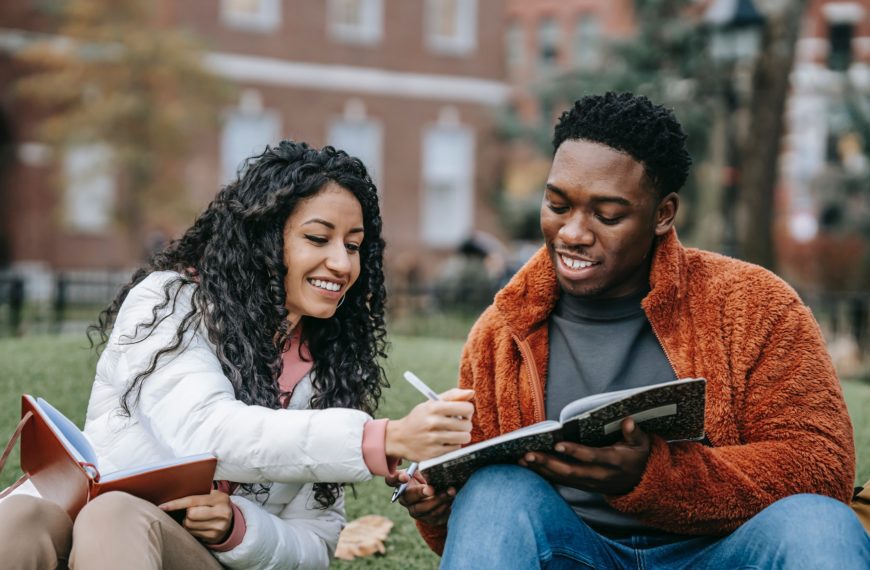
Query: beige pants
{"points": [[115, 530]]}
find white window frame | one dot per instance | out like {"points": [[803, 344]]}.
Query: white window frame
{"points": [[369, 30], [581, 36], [230, 171], [431, 229], [515, 46], [464, 41], [551, 23], [90, 188], [266, 19], [374, 165]]}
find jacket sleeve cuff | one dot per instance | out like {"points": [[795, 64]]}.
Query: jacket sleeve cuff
{"points": [[634, 501], [373, 448], [434, 536], [236, 534]]}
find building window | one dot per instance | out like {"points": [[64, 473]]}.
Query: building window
{"points": [[89, 198], [515, 46], [548, 45], [252, 15], [246, 134], [451, 26], [840, 53], [587, 42], [362, 138], [356, 21], [448, 185]]}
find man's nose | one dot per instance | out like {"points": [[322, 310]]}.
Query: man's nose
{"points": [[576, 231]]}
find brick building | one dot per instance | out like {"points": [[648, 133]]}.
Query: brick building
{"points": [[408, 86]]}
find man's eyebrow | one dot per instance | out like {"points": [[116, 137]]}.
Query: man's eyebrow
{"points": [[595, 199], [556, 190], [611, 200], [330, 225]]}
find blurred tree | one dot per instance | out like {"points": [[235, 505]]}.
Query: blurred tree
{"points": [[766, 126], [666, 61], [117, 75]]}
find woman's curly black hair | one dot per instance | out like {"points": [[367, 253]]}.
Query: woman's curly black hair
{"points": [[631, 124], [232, 259]]}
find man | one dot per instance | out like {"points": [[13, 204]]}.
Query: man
{"points": [[614, 301]]}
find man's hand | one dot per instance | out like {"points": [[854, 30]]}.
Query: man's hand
{"points": [[209, 518], [421, 500], [613, 470]]}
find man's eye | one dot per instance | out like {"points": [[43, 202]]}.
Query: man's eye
{"points": [[316, 239], [556, 209], [609, 221]]}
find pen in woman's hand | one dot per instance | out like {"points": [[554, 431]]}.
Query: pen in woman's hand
{"points": [[421, 386]]}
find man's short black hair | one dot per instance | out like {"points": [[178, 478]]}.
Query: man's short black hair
{"points": [[632, 124]]}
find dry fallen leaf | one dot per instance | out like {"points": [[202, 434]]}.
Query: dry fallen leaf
{"points": [[363, 537]]}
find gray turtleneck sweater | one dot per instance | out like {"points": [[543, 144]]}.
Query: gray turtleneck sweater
{"points": [[599, 346]]}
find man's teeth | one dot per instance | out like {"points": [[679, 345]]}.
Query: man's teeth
{"points": [[575, 263], [325, 285]]}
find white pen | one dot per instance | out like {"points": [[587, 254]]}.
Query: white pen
{"points": [[421, 386]]}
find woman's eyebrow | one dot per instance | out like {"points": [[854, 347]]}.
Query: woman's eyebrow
{"points": [[330, 225]]}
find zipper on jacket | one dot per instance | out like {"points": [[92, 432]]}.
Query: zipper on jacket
{"points": [[537, 385], [661, 344]]}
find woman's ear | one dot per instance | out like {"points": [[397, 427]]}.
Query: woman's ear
{"points": [[666, 213]]}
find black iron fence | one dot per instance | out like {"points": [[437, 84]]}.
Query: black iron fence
{"points": [[76, 298], [72, 300]]}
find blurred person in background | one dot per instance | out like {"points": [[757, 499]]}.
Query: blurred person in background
{"points": [[614, 301], [256, 336]]}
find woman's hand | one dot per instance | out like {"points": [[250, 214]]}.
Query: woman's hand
{"points": [[209, 518], [432, 428]]}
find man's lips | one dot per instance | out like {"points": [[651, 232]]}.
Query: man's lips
{"points": [[575, 263]]}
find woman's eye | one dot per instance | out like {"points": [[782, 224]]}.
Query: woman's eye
{"points": [[316, 239]]}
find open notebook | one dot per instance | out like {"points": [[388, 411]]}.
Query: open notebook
{"points": [[64, 468]]}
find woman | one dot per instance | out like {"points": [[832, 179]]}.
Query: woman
{"points": [[273, 299]]}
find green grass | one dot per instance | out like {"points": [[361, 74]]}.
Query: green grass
{"points": [[60, 368]]}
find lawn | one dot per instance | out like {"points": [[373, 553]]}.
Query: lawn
{"points": [[60, 368]]}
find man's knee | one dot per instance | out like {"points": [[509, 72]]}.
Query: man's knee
{"points": [[498, 484], [807, 524]]}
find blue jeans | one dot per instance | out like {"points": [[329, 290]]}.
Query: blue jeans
{"points": [[508, 517]]}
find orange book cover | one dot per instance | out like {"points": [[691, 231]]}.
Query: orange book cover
{"points": [[63, 466]]}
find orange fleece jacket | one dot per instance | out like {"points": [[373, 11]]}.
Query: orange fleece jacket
{"points": [[775, 413]]}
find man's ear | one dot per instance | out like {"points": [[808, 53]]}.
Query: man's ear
{"points": [[666, 213]]}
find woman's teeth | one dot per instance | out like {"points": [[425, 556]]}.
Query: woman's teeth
{"points": [[325, 284]]}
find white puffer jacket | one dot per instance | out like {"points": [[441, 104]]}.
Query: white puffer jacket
{"points": [[187, 406]]}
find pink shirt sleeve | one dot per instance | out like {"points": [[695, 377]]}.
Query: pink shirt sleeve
{"points": [[236, 534], [373, 448]]}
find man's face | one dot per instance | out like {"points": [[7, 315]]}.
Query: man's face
{"points": [[600, 216]]}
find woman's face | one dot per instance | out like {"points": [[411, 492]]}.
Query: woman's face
{"points": [[322, 238]]}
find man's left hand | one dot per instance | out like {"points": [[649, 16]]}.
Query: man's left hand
{"points": [[613, 470]]}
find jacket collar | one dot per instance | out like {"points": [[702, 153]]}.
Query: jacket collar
{"points": [[528, 299]]}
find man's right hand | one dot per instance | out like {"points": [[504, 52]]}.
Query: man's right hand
{"points": [[432, 428], [421, 500]]}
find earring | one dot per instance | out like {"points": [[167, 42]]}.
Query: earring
{"points": [[340, 301]]}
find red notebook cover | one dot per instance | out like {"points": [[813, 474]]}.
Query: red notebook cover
{"points": [[59, 476]]}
